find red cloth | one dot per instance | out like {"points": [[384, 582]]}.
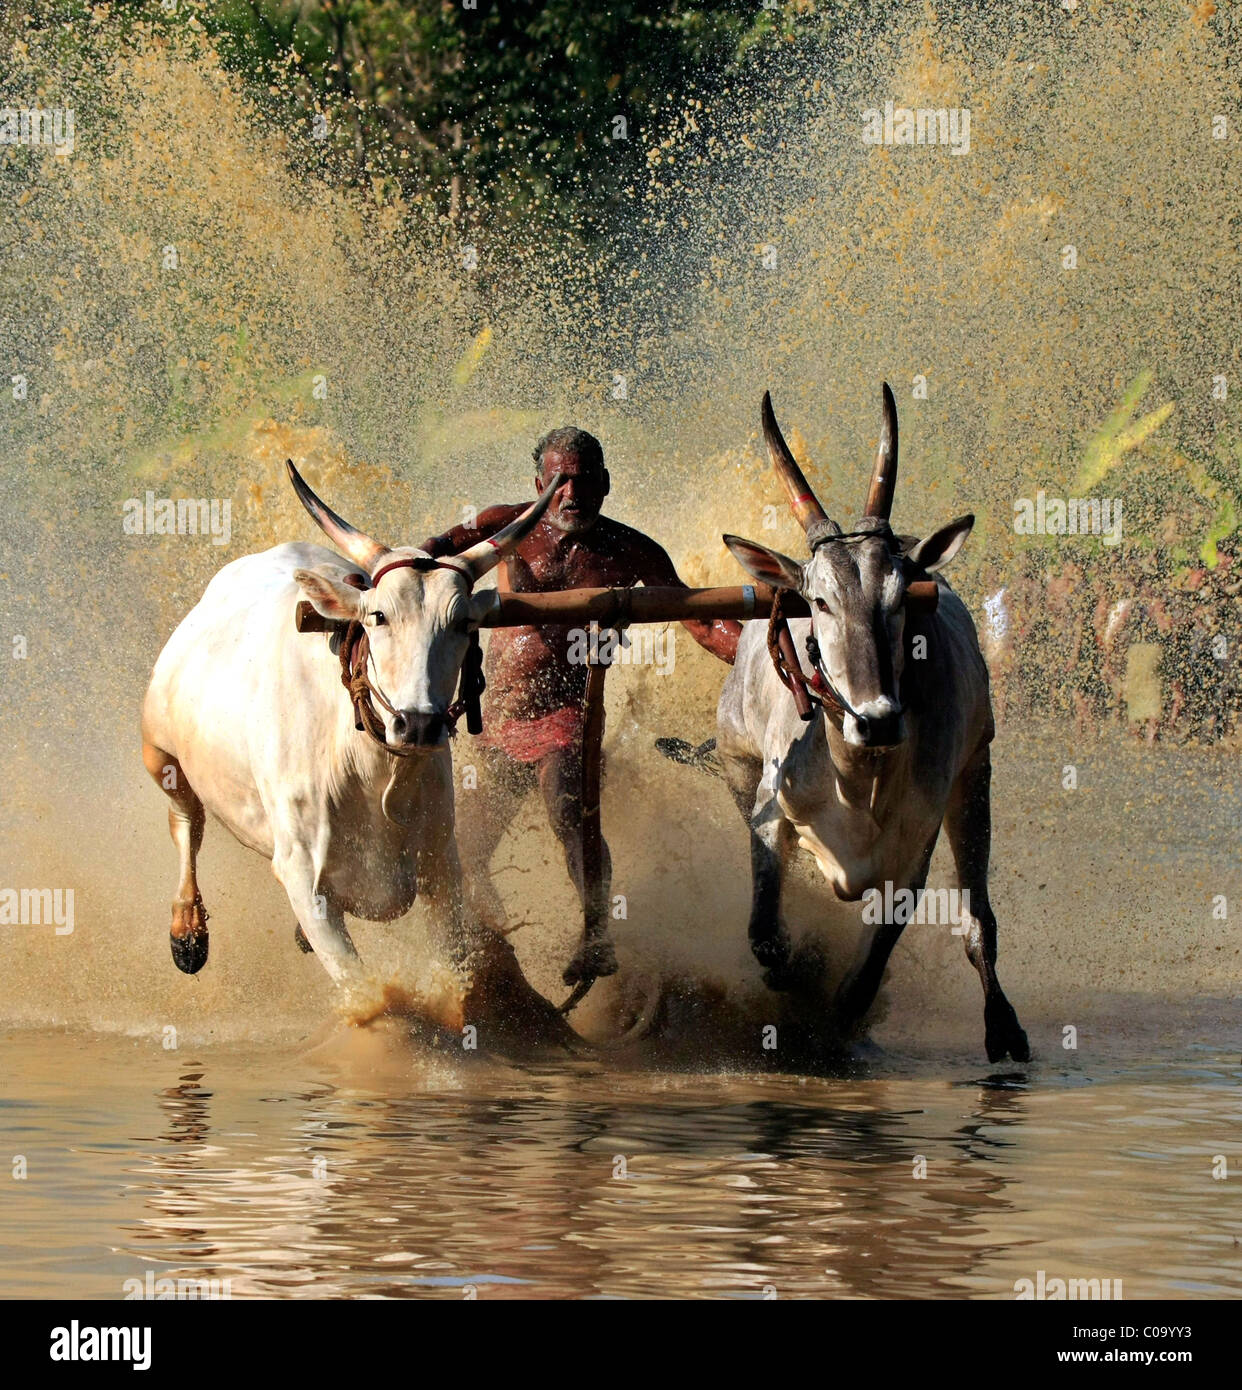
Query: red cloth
{"points": [[529, 740]]}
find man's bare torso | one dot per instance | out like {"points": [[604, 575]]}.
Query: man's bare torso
{"points": [[529, 673]]}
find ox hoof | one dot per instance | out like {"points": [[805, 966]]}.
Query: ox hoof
{"points": [[784, 977], [300, 937], [786, 971], [1004, 1035], [591, 961], [189, 953], [188, 937]]}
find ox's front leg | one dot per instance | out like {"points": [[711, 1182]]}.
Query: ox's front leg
{"points": [[856, 992], [968, 823], [459, 936], [321, 920], [441, 891], [771, 839]]}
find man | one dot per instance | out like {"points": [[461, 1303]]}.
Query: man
{"points": [[533, 708]]}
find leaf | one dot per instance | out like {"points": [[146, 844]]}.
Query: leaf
{"points": [[469, 361], [1117, 437], [1225, 523]]}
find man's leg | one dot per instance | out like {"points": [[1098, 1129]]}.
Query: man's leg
{"points": [[560, 780], [486, 802]]}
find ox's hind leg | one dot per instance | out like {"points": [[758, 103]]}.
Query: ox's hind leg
{"points": [[186, 820], [968, 824], [856, 992]]}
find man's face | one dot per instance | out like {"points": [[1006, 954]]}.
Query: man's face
{"points": [[578, 500]]}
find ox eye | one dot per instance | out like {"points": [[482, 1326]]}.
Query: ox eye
{"points": [[376, 619], [822, 606]]}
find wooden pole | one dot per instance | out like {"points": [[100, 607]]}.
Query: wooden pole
{"points": [[611, 608], [622, 607]]}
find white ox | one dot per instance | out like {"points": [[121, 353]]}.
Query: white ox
{"points": [[246, 717], [901, 748]]}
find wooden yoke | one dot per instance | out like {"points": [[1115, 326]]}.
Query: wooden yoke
{"points": [[622, 607]]}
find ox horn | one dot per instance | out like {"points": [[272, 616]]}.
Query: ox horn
{"points": [[362, 550], [884, 476], [486, 555], [815, 521]]}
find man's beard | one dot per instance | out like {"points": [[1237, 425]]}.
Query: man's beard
{"points": [[573, 522]]}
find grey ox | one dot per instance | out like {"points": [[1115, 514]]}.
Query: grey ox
{"points": [[899, 747], [246, 717]]}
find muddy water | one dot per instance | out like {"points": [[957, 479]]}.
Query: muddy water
{"points": [[292, 1152], [292, 1175]]}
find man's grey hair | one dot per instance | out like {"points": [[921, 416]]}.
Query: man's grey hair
{"points": [[569, 439]]}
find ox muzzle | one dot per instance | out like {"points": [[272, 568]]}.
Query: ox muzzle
{"points": [[415, 728]]}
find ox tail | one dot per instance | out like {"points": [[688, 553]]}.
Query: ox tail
{"points": [[703, 757]]}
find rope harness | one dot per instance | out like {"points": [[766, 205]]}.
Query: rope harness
{"points": [[355, 653], [785, 659]]}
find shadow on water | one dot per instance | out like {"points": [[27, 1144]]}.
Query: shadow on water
{"points": [[611, 1189], [303, 1172]]}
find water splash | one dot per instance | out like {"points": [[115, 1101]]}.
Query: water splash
{"points": [[190, 301]]}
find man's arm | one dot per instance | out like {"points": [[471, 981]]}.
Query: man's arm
{"points": [[719, 636], [459, 538]]}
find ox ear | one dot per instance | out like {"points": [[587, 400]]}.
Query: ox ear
{"points": [[941, 546], [767, 566], [329, 597]]}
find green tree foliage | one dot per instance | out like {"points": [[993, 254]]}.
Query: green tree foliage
{"points": [[508, 111]]}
